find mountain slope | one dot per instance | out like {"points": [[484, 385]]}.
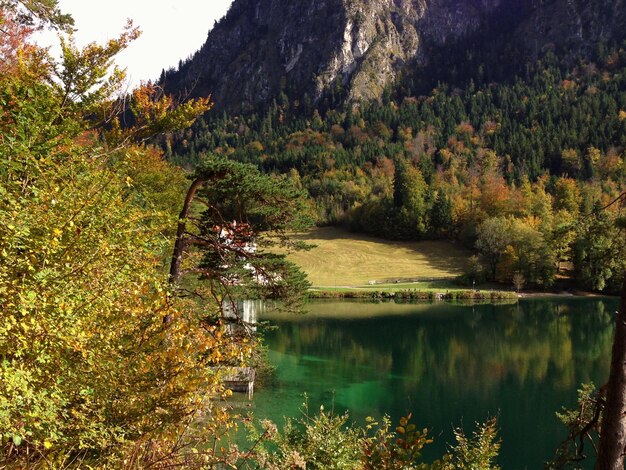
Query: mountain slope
{"points": [[306, 48]]}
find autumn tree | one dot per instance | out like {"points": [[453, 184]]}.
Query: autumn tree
{"points": [[570, 162], [494, 235], [534, 257], [599, 260], [567, 195], [89, 372]]}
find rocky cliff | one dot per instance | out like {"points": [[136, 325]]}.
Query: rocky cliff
{"points": [[307, 47]]}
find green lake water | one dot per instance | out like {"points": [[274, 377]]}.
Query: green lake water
{"points": [[449, 365]]}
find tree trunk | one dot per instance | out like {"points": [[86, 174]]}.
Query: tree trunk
{"points": [[613, 432], [179, 246]]}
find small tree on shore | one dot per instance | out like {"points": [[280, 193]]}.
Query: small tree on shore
{"points": [[518, 281]]}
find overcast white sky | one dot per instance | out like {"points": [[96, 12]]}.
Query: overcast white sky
{"points": [[172, 29]]}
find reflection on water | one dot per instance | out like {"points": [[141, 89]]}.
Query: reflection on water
{"points": [[242, 315], [450, 365]]}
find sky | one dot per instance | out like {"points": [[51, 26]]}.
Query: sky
{"points": [[171, 30]]}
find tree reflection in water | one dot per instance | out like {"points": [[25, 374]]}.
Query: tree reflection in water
{"points": [[448, 364]]}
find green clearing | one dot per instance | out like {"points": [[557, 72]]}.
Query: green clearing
{"points": [[342, 259]]}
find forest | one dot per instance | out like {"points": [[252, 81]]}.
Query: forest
{"points": [[516, 169]]}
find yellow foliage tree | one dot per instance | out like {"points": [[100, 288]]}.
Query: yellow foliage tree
{"points": [[90, 374]]}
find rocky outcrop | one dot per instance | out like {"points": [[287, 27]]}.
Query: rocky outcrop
{"points": [[305, 47]]}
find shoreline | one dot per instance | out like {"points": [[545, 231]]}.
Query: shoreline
{"points": [[566, 294], [435, 294], [409, 294]]}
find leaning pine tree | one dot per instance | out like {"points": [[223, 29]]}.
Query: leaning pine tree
{"points": [[233, 233]]}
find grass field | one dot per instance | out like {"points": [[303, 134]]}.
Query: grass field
{"points": [[344, 259]]}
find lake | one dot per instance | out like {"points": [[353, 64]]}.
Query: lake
{"points": [[449, 365]]}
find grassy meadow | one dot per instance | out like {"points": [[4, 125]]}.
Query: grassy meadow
{"points": [[342, 259]]}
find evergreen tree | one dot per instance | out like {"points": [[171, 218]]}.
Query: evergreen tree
{"points": [[441, 215]]}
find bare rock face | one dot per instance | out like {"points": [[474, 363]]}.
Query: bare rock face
{"points": [[306, 47], [381, 37]]}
